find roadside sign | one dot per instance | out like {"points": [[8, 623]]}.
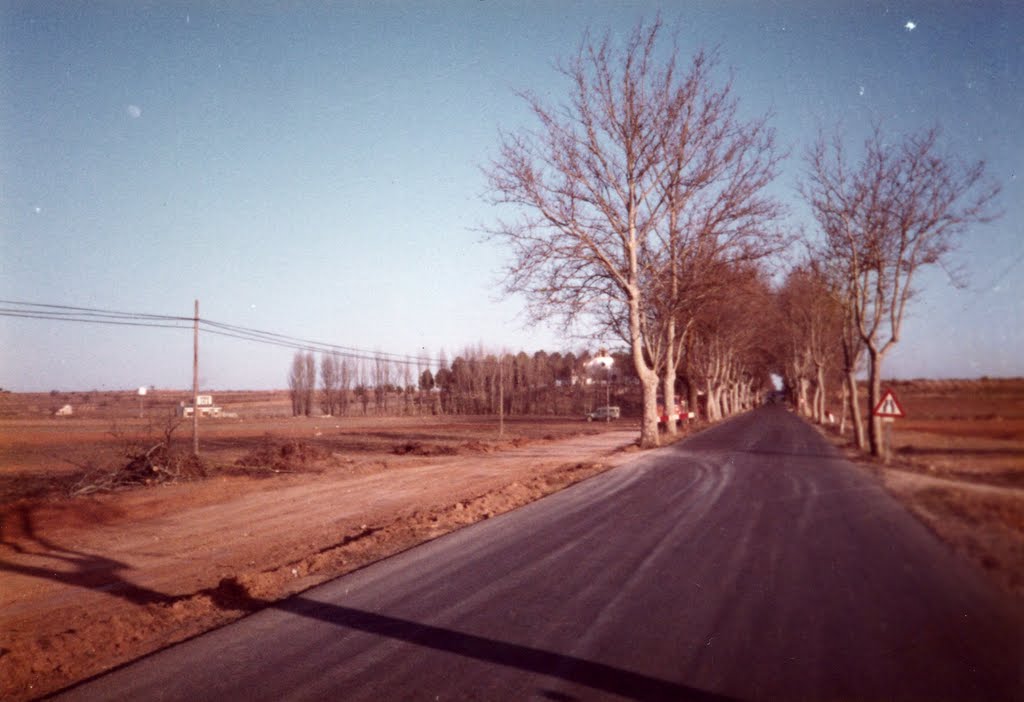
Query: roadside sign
{"points": [[889, 406]]}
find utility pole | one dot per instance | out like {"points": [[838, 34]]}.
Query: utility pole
{"points": [[607, 395], [195, 382]]}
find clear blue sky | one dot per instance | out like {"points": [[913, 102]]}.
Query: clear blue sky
{"points": [[313, 169]]}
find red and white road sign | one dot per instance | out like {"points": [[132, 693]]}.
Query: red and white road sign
{"points": [[889, 406]]}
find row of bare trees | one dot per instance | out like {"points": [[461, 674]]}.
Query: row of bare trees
{"points": [[640, 207], [474, 382], [900, 206], [631, 206]]}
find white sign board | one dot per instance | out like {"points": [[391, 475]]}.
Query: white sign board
{"points": [[142, 391], [889, 406], [204, 400]]}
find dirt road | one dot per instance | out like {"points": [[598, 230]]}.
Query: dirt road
{"points": [[88, 584]]}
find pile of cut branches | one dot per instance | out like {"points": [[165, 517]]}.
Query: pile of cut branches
{"points": [[145, 461]]}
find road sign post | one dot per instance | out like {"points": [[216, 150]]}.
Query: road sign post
{"points": [[889, 409]]}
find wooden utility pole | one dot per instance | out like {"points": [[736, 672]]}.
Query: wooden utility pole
{"points": [[195, 382]]}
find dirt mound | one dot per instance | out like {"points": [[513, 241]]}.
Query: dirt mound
{"points": [[419, 448], [280, 457]]}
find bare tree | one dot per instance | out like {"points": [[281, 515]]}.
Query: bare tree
{"points": [[443, 382], [585, 186], [904, 207], [296, 383], [361, 390], [382, 381], [309, 382], [330, 372], [424, 381], [724, 353], [812, 318], [346, 375], [717, 212], [835, 280], [426, 384], [302, 383]]}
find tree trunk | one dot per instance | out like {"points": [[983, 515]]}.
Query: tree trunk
{"points": [[874, 396], [692, 398], [844, 406], [801, 398], [816, 404], [821, 410], [855, 416], [669, 391], [648, 377], [713, 410]]}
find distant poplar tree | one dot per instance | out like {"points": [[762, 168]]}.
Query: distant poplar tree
{"points": [[295, 379], [330, 370]]}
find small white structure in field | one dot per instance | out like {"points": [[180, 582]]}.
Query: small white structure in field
{"points": [[205, 405], [65, 411]]}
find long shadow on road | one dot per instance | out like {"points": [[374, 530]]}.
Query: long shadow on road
{"points": [[598, 676]]}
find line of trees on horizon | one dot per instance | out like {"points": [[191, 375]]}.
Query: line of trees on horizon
{"points": [[712, 380], [475, 382]]}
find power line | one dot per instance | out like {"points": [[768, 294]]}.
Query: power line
{"points": [[67, 310], [299, 343], [86, 320], [92, 315]]}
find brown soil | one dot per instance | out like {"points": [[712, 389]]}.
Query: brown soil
{"points": [[89, 583]]}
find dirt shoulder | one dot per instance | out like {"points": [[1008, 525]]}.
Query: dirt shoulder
{"points": [[983, 523], [91, 583]]}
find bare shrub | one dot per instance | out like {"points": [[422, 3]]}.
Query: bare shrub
{"points": [[148, 460]]}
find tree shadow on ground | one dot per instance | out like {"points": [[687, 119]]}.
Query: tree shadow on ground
{"points": [[594, 675], [85, 570]]}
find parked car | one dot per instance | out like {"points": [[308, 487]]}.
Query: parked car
{"points": [[604, 414]]}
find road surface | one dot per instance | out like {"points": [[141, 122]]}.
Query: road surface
{"points": [[750, 562]]}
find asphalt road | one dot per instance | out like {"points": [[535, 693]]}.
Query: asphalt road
{"points": [[749, 562]]}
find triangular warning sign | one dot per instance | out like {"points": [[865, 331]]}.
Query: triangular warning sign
{"points": [[888, 406]]}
